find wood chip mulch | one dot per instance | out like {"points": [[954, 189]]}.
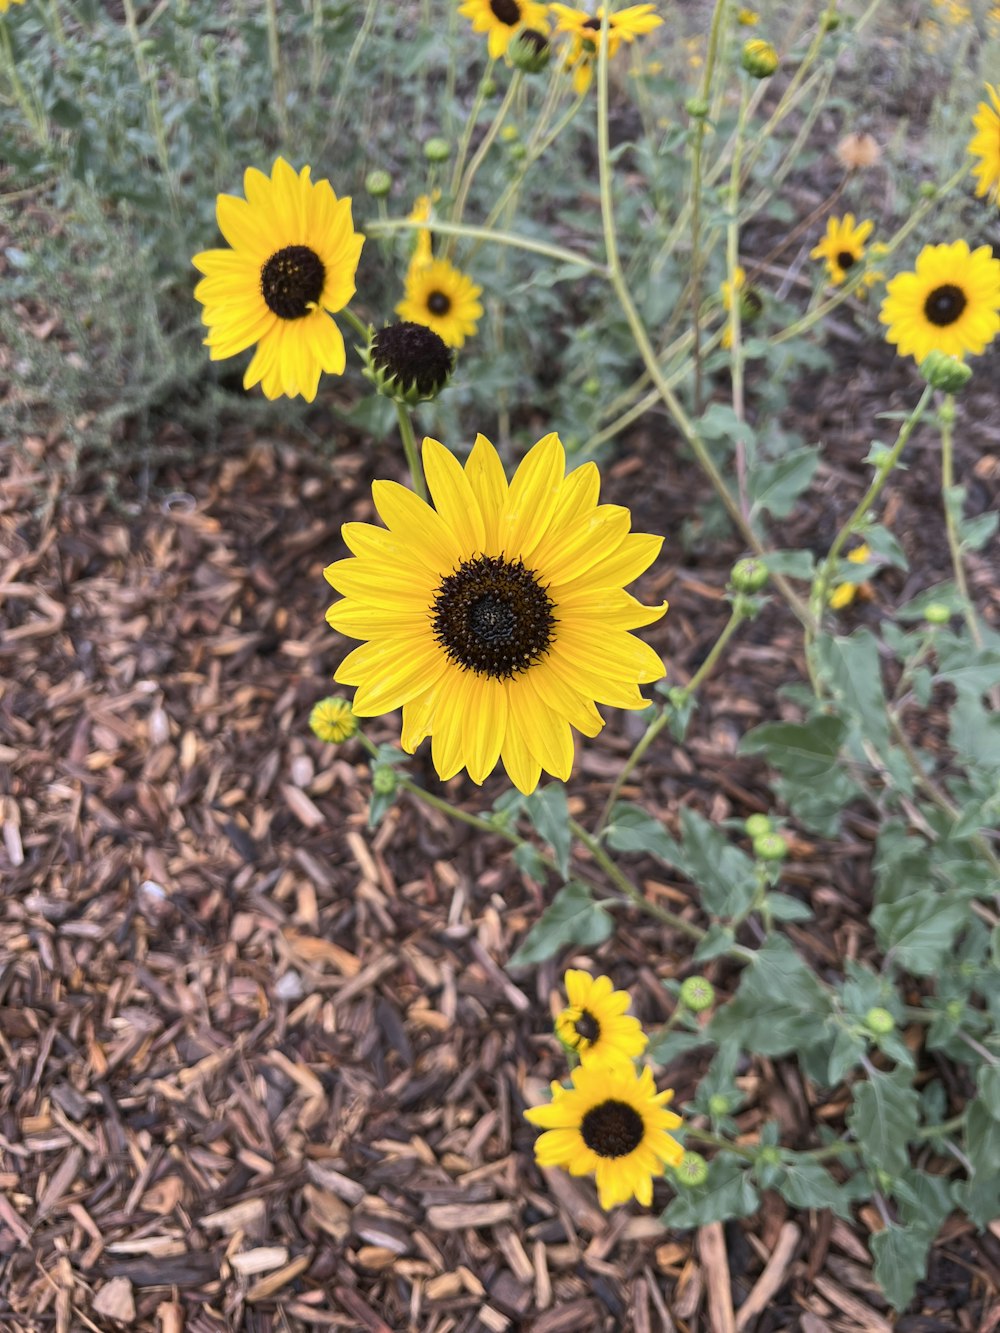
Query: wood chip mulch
{"points": [[262, 1068]]}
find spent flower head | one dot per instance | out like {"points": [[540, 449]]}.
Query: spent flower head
{"points": [[408, 362]]}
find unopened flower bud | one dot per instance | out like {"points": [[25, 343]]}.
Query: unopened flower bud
{"points": [[530, 51], [759, 58], [378, 183], [770, 847], [332, 721], [384, 780], [718, 1106], [757, 826], [830, 22], [879, 1021], [437, 150], [691, 1171], [749, 575], [928, 190], [936, 613], [945, 372], [697, 994], [697, 108]]}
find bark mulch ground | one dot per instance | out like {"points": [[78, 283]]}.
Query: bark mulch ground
{"points": [[262, 1068]]}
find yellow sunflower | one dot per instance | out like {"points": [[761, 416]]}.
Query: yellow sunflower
{"points": [[294, 256], [611, 1123], [985, 145], [499, 618], [6, 4], [501, 19], [585, 29], [842, 246], [442, 298], [422, 211], [595, 1025], [845, 594], [950, 304]]}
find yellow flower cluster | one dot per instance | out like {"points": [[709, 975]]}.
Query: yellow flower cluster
{"points": [[611, 1122]]}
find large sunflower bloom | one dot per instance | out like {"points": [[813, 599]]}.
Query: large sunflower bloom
{"points": [[985, 145], [595, 1024], [501, 19], [442, 298], [585, 29], [950, 304], [294, 256], [842, 246], [497, 619], [613, 1124]]}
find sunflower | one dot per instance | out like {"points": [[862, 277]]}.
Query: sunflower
{"points": [[442, 298], [612, 1123], [6, 4], [751, 303], [585, 29], [845, 594], [294, 256], [842, 246], [422, 211], [501, 19], [949, 304], [595, 1024], [499, 618], [985, 145]]}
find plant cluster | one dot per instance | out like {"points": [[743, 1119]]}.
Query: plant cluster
{"points": [[495, 615]]}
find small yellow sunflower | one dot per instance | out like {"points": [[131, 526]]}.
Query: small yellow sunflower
{"points": [[611, 1123], [985, 145], [950, 304], [501, 19], [842, 246], [595, 1025], [747, 18], [6, 4], [585, 29], [751, 303], [331, 720], [846, 593], [497, 619], [443, 299], [422, 211], [294, 256]]}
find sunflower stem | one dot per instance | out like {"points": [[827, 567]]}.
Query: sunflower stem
{"points": [[344, 81], [557, 252], [410, 449], [489, 138], [946, 420], [735, 313], [470, 125], [31, 111], [148, 79], [277, 70]]}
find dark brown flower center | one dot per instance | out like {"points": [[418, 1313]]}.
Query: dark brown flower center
{"points": [[594, 24], [438, 303], [845, 259], [612, 1129], [493, 617], [291, 282], [413, 356], [944, 304], [506, 11], [588, 1027]]}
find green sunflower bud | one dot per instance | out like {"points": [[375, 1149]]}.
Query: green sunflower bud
{"points": [[332, 721], [697, 108], [770, 847], [955, 1009], [530, 51], [928, 190], [759, 58], [749, 575], [591, 386], [408, 362], [437, 150], [879, 1022], [718, 1106], [936, 613], [758, 826], [378, 183], [384, 780], [769, 1156], [691, 1171], [830, 22], [489, 87], [945, 372], [697, 994]]}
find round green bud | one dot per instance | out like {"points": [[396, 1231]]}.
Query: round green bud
{"points": [[489, 87], [697, 994], [758, 826], [769, 1156], [437, 150], [831, 22], [718, 1105], [954, 1009], [592, 386], [770, 847], [691, 1171], [936, 613], [945, 372], [749, 575], [517, 152], [378, 183], [879, 1021], [928, 189], [384, 780], [759, 58], [697, 108]]}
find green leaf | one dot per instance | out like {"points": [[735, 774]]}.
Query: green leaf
{"points": [[982, 1137], [848, 1048], [728, 1192], [793, 564], [718, 940], [920, 929], [572, 918], [803, 751], [548, 811], [783, 907], [989, 1089], [777, 486], [900, 1261], [856, 676], [779, 1006], [631, 829], [725, 877], [805, 1183], [884, 1119], [671, 1045]]}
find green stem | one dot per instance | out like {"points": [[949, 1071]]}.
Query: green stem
{"points": [[345, 83], [735, 324], [410, 449], [470, 125], [479, 157], [31, 112], [946, 418], [280, 93], [377, 228]]}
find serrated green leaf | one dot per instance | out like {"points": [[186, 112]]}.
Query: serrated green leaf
{"points": [[779, 1006], [725, 876], [982, 1137], [728, 1192], [777, 486], [548, 811], [802, 751], [632, 829], [793, 564], [900, 1255], [856, 676], [805, 1183], [920, 929], [884, 1119], [783, 907], [848, 1048], [573, 917]]}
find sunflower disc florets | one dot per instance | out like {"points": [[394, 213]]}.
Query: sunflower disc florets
{"points": [[408, 362]]}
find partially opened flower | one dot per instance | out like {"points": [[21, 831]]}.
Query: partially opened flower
{"points": [[950, 303], [845, 593], [585, 31], [497, 619], [595, 1025], [985, 145], [443, 298], [501, 19], [843, 246], [293, 259], [612, 1125]]}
